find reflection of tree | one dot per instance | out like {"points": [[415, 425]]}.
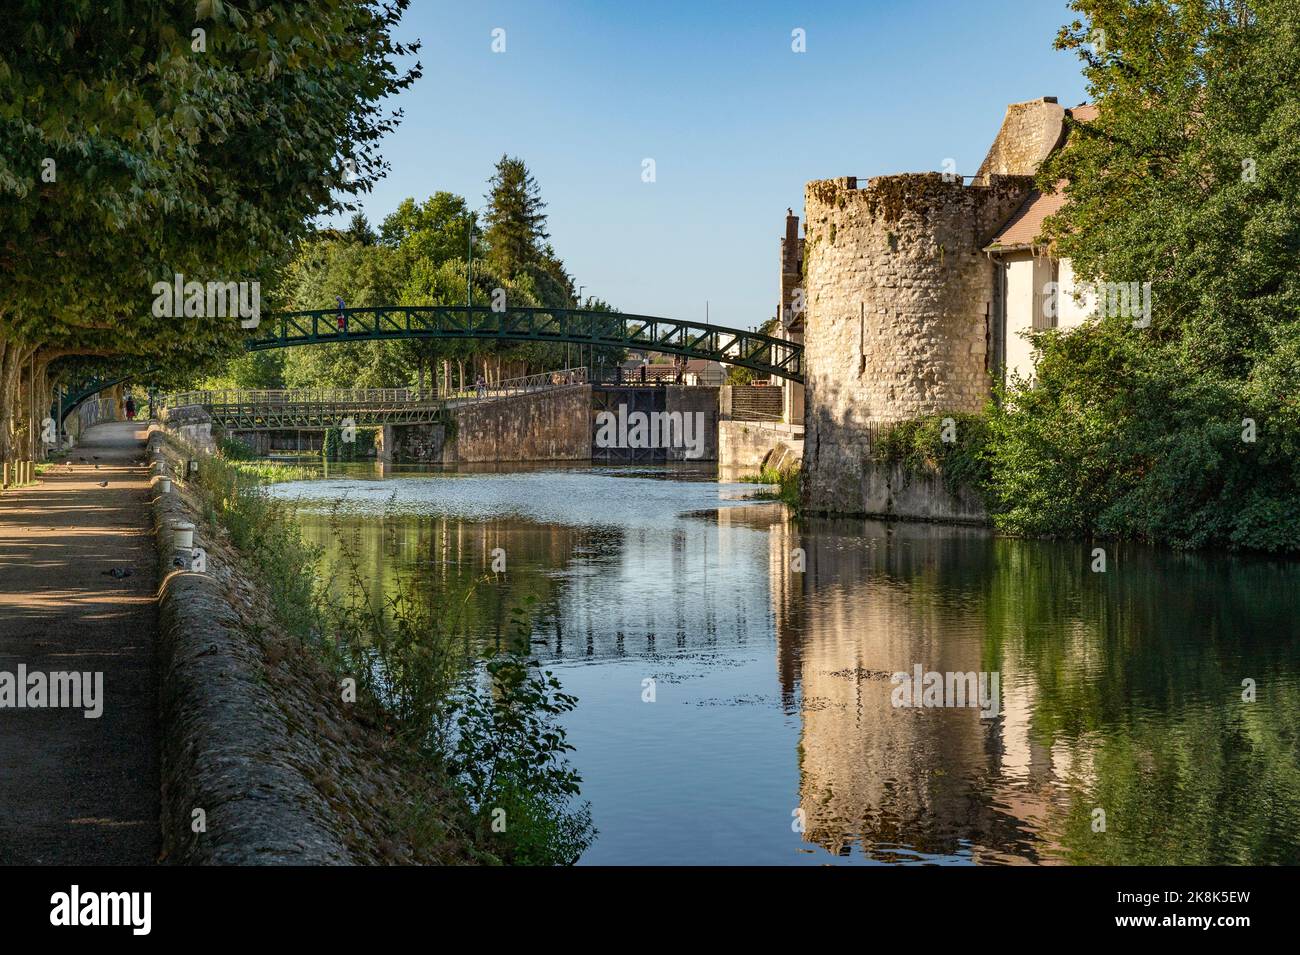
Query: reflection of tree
{"points": [[1137, 674], [440, 555]]}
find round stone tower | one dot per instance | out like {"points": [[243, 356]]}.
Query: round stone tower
{"points": [[899, 293]]}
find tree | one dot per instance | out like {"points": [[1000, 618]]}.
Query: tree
{"points": [[516, 224], [141, 140], [434, 232], [359, 230]]}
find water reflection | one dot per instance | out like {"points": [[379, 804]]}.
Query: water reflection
{"points": [[1120, 691]]}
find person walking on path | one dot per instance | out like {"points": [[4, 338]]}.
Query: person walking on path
{"points": [[480, 386], [130, 408]]}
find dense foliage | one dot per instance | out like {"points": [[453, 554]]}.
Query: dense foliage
{"points": [[421, 255], [143, 139], [1187, 431]]}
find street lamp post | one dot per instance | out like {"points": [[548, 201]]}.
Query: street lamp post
{"points": [[580, 288]]}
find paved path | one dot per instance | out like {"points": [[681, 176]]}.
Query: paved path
{"points": [[76, 790]]}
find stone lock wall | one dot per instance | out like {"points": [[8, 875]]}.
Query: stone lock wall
{"points": [[899, 294], [549, 425]]}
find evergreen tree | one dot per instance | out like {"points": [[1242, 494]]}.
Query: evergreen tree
{"points": [[516, 225], [359, 230]]}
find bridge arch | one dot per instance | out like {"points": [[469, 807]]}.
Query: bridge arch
{"points": [[753, 350]]}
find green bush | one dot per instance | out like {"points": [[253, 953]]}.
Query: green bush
{"points": [[509, 759], [1118, 437]]}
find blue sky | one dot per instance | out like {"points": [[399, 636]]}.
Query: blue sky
{"points": [[735, 121]]}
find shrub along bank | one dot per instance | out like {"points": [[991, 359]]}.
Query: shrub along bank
{"points": [[388, 740]]}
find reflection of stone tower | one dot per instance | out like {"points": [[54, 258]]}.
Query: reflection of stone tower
{"points": [[866, 767]]}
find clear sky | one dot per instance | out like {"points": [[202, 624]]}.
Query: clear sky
{"points": [[735, 121]]}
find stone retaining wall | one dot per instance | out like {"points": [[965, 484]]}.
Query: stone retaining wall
{"points": [[254, 730], [549, 425]]}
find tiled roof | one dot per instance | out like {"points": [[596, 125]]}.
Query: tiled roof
{"points": [[1023, 228]]}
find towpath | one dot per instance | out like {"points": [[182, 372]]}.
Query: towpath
{"points": [[75, 790]]}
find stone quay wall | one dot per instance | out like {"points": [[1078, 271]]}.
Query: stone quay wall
{"points": [[549, 425]]}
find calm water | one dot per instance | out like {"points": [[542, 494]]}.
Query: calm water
{"points": [[772, 738]]}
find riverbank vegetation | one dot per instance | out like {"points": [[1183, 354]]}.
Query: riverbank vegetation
{"points": [[478, 723], [953, 446], [784, 484]]}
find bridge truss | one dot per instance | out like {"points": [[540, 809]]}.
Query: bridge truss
{"points": [[762, 353]]}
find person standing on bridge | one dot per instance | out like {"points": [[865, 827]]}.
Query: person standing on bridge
{"points": [[343, 319]]}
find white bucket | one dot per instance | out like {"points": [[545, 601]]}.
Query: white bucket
{"points": [[164, 485], [183, 536]]}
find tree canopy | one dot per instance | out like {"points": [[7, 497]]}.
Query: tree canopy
{"points": [[1186, 431], [141, 140]]}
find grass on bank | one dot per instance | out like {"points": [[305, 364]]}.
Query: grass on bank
{"points": [[784, 485], [240, 456], [483, 726]]}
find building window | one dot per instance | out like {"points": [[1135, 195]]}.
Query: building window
{"points": [[1048, 300]]}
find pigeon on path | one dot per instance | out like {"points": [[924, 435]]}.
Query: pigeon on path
{"points": [[103, 484], [118, 573]]}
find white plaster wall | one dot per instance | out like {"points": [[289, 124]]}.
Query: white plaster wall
{"points": [[1021, 297], [1073, 311]]}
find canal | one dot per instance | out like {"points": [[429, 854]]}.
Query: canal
{"points": [[735, 671]]}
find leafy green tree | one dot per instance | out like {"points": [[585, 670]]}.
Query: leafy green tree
{"points": [[139, 140], [432, 232], [1186, 431]]}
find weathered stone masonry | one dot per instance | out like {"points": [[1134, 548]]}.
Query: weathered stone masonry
{"points": [[899, 294], [906, 312]]}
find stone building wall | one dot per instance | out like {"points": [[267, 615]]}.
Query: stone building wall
{"points": [[899, 294]]}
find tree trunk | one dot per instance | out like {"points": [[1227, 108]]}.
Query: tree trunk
{"points": [[12, 406]]}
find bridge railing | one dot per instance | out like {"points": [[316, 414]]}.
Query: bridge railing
{"points": [[516, 386], [299, 396], [368, 397]]}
